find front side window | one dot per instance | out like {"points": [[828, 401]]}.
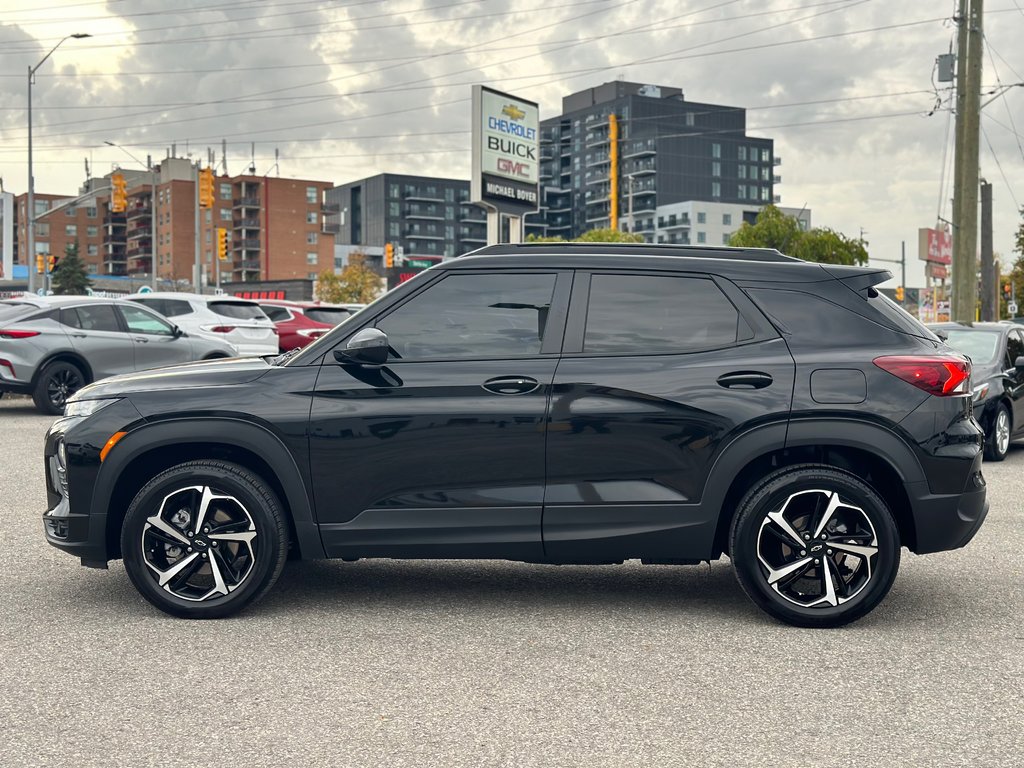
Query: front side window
{"points": [[653, 314], [1014, 347], [141, 321], [473, 317]]}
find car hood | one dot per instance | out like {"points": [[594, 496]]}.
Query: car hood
{"points": [[210, 373]]}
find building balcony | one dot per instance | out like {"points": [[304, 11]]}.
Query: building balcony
{"points": [[595, 142], [474, 219], [673, 222], [115, 268], [331, 229], [422, 198], [424, 216], [135, 211], [469, 239], [248, 244], [646, 170], [640, 150], [140, 250], [246, 223], [330, 208], [245, 202], [143, 231], [776, 179], [246, 265], [422, 236], [599, 160], [776, 160]]}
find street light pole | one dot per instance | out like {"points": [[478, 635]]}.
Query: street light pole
{"points": [[30, 216]]}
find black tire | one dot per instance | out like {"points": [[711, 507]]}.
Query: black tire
{"points": [[761, 548], [240, 504], [997, 446], [56, 383]]}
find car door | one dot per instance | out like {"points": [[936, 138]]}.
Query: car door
{"points": [[1015, 378], [98, 336], [440, 452], [659, 372], [154, 341]]}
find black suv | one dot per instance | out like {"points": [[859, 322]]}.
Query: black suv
{"points": [[569, 403]]}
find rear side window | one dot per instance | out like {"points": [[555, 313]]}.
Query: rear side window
{"points": [[95, 317], [1014, 347], [175, 308], [657, 315], [237, 310]]}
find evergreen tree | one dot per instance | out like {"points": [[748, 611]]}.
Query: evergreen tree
{"points": [[69, 276]]}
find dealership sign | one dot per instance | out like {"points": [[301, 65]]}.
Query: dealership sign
{"points": [[506, 152]]}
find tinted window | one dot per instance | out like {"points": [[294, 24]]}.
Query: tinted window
{"points": [[238, 310], [1014, 347], [94, 317], [981, 346], [649, 315], [329, 315], [896, 316], [277, 314], [473, 316], [141, 321], [175, 308]]}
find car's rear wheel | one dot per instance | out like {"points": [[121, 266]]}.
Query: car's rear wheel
{"points": [[814, 546], [997, 441], [204, 539], [56, 383]]}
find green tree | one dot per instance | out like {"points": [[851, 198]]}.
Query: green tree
{"points": [[70, 277], [357, 283], [774, 229], [592, 236]]}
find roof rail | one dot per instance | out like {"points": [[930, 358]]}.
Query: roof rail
{"points": [[638, 249]]}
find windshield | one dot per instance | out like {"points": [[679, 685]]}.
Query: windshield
{"points": [[328, 315], [238, 310], [981, 346], [12, 309]]}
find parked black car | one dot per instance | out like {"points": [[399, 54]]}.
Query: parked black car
{"points": [[553, 403], [996, 351]]}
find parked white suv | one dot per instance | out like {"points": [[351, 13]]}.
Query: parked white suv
{"points": [[239, 322]]}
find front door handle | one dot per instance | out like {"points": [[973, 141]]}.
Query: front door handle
{"points": [[511, 385], [745, 380], [143, 339]]}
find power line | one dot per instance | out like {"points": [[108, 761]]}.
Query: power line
{"points": [[1000, 167]]}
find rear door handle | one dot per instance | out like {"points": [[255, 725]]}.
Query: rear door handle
{"points": [[511, 385], [143, 339], [745, 380]]}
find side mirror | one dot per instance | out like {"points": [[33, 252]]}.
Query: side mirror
{"points": [[177, 332], [368, 347], [1019, 363]]}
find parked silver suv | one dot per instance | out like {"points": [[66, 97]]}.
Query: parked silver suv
{"points": [[52, 347]]}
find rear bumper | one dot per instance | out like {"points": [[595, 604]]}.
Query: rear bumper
{"points": [[948, 521]]}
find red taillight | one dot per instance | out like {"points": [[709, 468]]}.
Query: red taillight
{"points": [[935, 375], [222, 328], [13, 334], [7, 364]]}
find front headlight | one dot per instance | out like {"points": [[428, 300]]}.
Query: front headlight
{"points": [[980, 392], [87, 407]]}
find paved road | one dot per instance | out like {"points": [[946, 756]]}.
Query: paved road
{"points": [[503, 664]]}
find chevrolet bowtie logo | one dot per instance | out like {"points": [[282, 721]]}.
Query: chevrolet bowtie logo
{"points": [[513, 112]]}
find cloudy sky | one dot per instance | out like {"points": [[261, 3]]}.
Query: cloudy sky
{"points": [[347, 88]]}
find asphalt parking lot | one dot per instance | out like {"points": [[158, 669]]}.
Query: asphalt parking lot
{"points": [[504, 664]]}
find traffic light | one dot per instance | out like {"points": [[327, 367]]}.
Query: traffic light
{"points": [[52, 264], [40, 263], [1007, 291], [119, 193], [222, 243], [389, 256], [206, 188], [899, 293]]}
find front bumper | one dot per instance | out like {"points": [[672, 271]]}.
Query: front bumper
{"points": [[944, 521]]}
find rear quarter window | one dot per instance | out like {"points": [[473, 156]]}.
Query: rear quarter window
{"points": [[896, 316]]}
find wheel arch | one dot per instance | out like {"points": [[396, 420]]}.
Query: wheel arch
{"points": [[876, 456], [64, 356], [152, 448]]}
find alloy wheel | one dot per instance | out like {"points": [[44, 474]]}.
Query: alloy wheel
{"points": [[817, 550], [1003, 431], [200, 544], [63, 384]]}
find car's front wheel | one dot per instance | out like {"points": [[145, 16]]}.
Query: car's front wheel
{"points": [[997, 441], [203, 539], [56, 383], [814, 546]]}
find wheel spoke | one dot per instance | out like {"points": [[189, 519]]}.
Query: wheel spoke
{"points": [[246, 536], [218, 580], [833, 505], [774, 575], [204, 505], [777, 518], [162, 525], [170, 573], [830, 596], [855, 549]]}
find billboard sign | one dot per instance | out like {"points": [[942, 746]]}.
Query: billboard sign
{"points": [[506, 152], [935, 245]]}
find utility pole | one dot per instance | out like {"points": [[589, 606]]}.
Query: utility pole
{"points": [[965, 173], [988, 277]]}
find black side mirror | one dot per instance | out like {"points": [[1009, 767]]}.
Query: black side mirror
{"points": [[177, 332], [368, 347], [1019, 363]]}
